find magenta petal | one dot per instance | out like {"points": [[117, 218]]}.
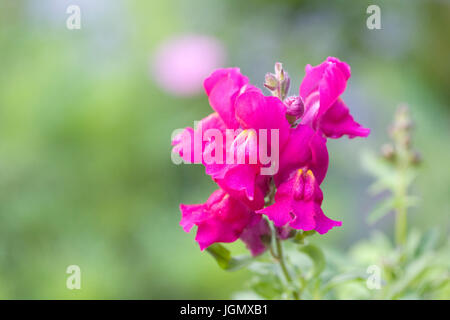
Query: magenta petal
{"points": [[240, 178], [305, 148], [319, 157], [320, 90], [222, 88], [256, 111], [297, 202], [221, 219], [323, 223], [190, 145], [304, 215], [328, 79], [214, 230], [331, 86], [338, 121], [260, 191], [220, 74], [190, 215], [183, 144], [279, 212]]}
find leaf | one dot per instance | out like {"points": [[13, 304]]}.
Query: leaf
{"points": [[428, 242], [413, 273], [342, 279], [376, 165], [382, 209], [263, 268], [316, 256], [267, 289], [224, 259]]}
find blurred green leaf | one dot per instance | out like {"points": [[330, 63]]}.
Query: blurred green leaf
{"points": [[410, 277], [316, 256], [266, 288], [343, 279], [224, 259], [382, 209]]}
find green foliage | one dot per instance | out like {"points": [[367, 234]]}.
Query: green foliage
{"points": [[224, 259], [420, 270]]}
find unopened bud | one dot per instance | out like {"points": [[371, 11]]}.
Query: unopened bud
{"points": [[279, 82], [279, 72], [388, 152], [403, 118], [270, 82], [286, 84], [294, 106]]}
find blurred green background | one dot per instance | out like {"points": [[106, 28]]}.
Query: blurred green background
{"points": [[86, 175]]}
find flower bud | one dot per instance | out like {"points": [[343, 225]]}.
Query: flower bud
{"points": [[270, 82], [294, 106], [279, 82], [388, 151], [279, 72]]}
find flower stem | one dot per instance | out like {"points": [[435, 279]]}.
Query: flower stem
{"points": [[279, 257], [401, 212], [284, 268], [401, 133]]}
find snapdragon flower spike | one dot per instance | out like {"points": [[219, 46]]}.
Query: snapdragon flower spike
{"points": [[324, 110], [297, 204]]}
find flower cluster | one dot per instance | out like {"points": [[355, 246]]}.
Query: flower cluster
{"points": [[295, 151]]}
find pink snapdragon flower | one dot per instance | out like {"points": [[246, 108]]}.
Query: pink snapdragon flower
{"points": [[303, 124], [297, 203], [325, 111], [304, 164]]}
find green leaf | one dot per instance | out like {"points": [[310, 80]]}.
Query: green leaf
{"points": [[414, 271], [301, 235], [382, 209], [428, 242], [267, 288], [316, 256], [224, 259], [343, 279], [376, 165]]}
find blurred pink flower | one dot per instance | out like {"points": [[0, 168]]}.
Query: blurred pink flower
{"points": [[181, 64]]}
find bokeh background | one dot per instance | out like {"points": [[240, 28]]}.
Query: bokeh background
{"points": [[86, 118]]}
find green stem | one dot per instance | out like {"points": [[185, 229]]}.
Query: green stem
{"points": [[279, 257], [401, 212], [277, 252]]}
